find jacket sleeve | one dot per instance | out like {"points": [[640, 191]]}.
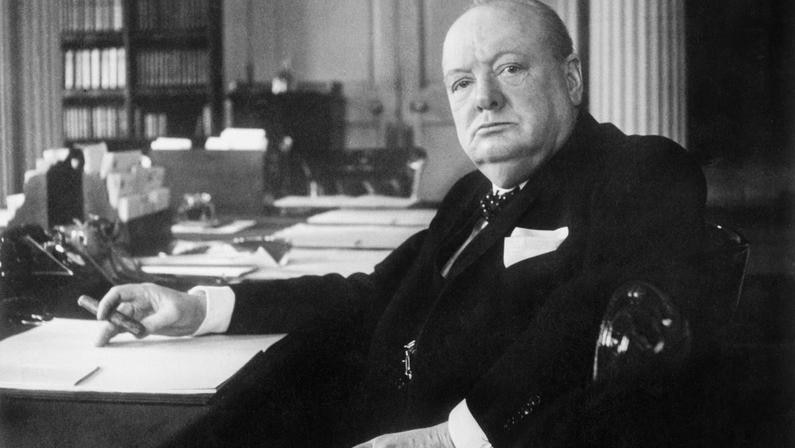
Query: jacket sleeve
{"points": [[646, 215], [316, 302]]}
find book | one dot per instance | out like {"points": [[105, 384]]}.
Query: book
{"points": [[58, 359]]}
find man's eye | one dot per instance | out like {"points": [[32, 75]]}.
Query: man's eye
{"points": [[512, 74], [461, 84], [512, 69]]}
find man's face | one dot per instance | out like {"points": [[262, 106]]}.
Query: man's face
{"points": [[513, 103]]}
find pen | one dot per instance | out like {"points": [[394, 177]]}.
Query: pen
{"points": [[117, 318]]}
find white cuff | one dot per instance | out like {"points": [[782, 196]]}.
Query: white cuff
{"points": [[220, 303], [464, 429]]}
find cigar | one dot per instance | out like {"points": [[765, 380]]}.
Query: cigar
{"points": [[116, 318]]}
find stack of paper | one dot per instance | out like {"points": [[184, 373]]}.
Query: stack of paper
{"points": [[58, 359], [420, 217], [348, 237], [223, 228], [341, 201]]}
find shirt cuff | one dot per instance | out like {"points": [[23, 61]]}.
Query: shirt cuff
{"points": [[464, 429], [220, 303]]}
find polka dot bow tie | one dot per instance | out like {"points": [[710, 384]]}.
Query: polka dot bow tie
{"points": [[492, 202]]}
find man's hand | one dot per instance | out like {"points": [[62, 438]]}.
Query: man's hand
{"points": [[161, 310], [432, 437]]}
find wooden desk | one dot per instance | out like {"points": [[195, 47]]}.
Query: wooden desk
{"points": [[246, 413], [48, 423], [29, 422]]}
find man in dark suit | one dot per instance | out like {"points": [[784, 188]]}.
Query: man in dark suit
{"points": [[469, 330]]}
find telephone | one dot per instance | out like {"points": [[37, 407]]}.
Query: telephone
{"points": [[43, 272]]}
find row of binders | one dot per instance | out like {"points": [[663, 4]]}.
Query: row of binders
{"points": [[172, 15], [164, 68], [92, 15], [110, 122], [154, 125], [108, 15], [95, 68], [95, 122]]}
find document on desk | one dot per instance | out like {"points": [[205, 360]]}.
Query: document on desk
{"points": [[347, 236], [58, 359], [223, 228], [420, 217], [368, 201]]}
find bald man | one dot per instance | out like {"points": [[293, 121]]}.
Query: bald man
{"points": [[472, 328]]}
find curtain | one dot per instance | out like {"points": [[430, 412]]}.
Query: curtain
{"points": [[30, 87]]}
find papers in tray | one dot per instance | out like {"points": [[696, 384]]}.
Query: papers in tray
{"points": [[58, 359]]}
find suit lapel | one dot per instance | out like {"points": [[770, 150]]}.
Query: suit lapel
{"points": [[458, 229]]}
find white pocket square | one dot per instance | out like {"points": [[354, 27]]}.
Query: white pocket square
{"points": [[528, 243]]}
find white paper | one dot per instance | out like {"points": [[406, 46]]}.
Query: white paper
{"points": [[153, 365], [341, 201], [197, 270], [383, 217], [225, 229], [349, 237]]}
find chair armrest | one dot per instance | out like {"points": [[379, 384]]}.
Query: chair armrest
{"points": [[641, 329]]}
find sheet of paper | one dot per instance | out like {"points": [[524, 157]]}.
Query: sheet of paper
{"points": [[340, 201], [198, 270], [224, 229], [349, 237], [154, 365], [383, 217], [309, 261]]}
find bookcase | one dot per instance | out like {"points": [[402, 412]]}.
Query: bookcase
{"points": [[134, 70]]}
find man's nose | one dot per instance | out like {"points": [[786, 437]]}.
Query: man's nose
{"points": [[489, 95]]}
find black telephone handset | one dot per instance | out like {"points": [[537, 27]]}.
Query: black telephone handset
{"points": [[41, 274]]}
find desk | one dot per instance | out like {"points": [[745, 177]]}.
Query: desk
{"points": [[49, 423], [28, 422], [249, 411]]}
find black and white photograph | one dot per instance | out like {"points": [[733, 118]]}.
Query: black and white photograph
{"points": [[397, 223]]}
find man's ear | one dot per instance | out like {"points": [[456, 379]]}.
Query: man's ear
{"points": [[572, 71]]}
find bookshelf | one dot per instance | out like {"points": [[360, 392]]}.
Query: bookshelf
{"points": [[135, 70]]}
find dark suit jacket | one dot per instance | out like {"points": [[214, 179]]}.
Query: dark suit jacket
{"points": [[508, 340]]}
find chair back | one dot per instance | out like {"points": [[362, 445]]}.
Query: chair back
{"points": [[642, 326]]}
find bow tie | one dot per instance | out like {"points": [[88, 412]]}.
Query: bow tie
{"points": [[492, 202]]}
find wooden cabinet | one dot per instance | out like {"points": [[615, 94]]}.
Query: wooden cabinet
{"points": [[138, 69]]}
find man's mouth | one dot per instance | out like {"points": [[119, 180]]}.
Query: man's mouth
{"points": [[494, 126]]}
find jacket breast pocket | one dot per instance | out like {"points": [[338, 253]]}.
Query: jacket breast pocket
{"points": [[524, 244]]}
